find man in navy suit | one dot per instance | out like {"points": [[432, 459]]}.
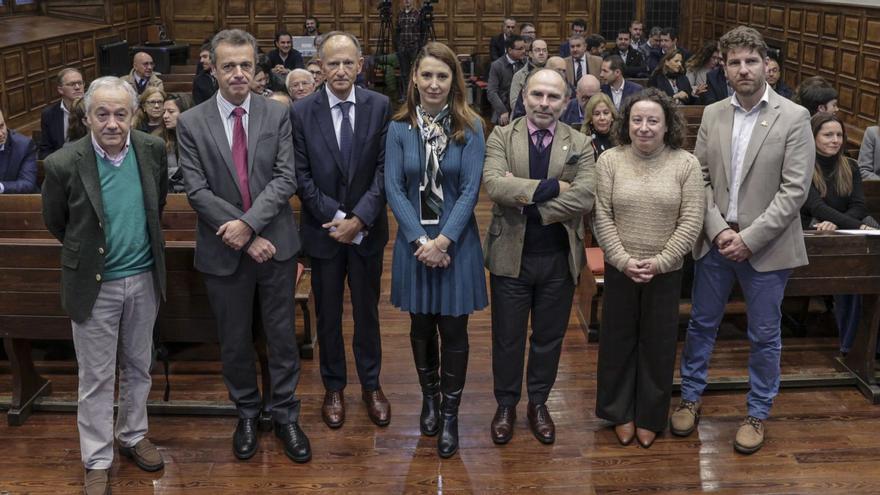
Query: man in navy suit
{"points": [[498, 44], [339, 139], [719, 89], [53, 121], [18, 162], [613, 83]]}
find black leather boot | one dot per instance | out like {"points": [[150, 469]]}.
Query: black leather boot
{"points": [[426, 355], [454, 370]]}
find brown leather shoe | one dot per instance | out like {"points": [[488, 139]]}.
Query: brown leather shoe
{"points": [[646, 437], [145, 455], [97, 482], [378, 407], [625, 432], [333, 408], [502, 424], [541, 423]]}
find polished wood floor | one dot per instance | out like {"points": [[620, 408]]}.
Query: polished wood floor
{"points": [[820, 441]]}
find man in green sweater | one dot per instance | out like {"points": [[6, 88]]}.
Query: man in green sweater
{"points": [[103, 198]]}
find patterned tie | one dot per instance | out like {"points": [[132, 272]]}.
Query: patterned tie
{"points": [[141, 85], [240, 157], [346, 133], [540, 134], [579, 72]]}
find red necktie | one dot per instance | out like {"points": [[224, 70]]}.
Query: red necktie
{"points": [[240, 157]]}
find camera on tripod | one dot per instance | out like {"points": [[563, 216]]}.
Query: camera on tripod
{"points": [[385, 10]]}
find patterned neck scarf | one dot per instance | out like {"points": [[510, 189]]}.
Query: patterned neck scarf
{"points": [[435, 134]]}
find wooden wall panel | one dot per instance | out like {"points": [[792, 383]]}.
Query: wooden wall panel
{"points": [[838, 42]]}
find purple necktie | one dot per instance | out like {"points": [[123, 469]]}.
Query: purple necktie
{"points": [[240, 158]]}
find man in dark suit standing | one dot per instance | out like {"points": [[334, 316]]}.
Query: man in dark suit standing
{"points": [[498, 44], [18, 162], [501, 77], [236, 154], [633, 62], [339, 138], [53, 121], [102, 199], [613, 82], [578, 26], [204, 84]]}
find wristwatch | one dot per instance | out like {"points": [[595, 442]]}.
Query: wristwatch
{"points": [[421, 241]]}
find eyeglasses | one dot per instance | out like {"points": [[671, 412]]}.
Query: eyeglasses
{"points": [[155, 103], [74, 84]]}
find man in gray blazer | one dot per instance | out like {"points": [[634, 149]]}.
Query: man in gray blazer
{"points": [[757, 152], [236, 153], [869, 154], [102, 198], [500, 77], [540, 174]]}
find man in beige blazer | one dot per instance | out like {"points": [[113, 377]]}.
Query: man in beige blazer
{"points": [[757, 152], [540, 174], [580, 63]]}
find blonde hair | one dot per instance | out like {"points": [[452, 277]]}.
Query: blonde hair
{"points": [[594, 101]]}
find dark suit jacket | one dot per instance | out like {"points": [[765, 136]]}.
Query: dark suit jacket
{"points": [[211, 181], [73, 210], [717, 83], [498, 88], [51, 129], [327, 185], [497, 47], [18, 165], [629, 88], [565, 49], [635, 65], [660, 82], [204, 87], [294, 59]]}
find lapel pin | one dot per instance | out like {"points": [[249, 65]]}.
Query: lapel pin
{"points": [[764, 123], [565, 148]]}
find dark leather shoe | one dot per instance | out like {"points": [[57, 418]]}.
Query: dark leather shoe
{"points": [[245, 439], [296, 443], [502, 424], [333, 409], [541, 423], [646, 437], [625, 432], [378, 407]]}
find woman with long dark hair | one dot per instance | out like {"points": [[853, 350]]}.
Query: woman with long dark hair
{"points": [[173, 107], [434, 155], [699, 66], [669, 77]]}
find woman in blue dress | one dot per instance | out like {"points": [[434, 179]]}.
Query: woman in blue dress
{"points": [[433, 167]]}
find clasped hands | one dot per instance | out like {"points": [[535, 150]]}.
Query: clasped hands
{"points": [[640, 271], [731, 246], [433, 253], [237, 233], [344, 230]]}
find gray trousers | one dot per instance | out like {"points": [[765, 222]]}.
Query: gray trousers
{"points": [[119, 332]]}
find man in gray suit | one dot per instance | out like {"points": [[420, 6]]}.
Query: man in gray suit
{"points": [[236, 153], [540, 174], [102, 198], [757, 152], [500, 77]]}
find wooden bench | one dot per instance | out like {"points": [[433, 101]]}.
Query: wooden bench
{"points": [[30, 304]]}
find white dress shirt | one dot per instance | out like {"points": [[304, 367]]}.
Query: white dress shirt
{"points": [[743, 125], [228, 119], [66, 121], [336, 112], [617, 93]]}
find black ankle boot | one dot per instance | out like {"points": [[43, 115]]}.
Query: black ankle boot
{"points": [[451, 385], [426, 357]]}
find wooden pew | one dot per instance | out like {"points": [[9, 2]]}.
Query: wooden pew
{"points": [[30, 304], [693, 114]]}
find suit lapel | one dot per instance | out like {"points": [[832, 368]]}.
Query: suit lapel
{"points": [[87, 166], [558, 151], [362, 109], [725, 130], [213, 121], [321, 112], [255, 124], [145, 165], [520, 139], [766, 118], [58, 123]]}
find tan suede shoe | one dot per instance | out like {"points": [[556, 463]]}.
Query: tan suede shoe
{"points": [[750, 436], [684, 419], [97, 482], [145, 455]]}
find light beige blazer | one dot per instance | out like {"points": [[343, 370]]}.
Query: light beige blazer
{"points": [[776, 175], [571, 160], [594, 66]]}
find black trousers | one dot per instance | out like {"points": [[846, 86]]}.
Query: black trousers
{"points": [[452, 330], [544, 290], [637, 348], [272, 284], [328, 279]]}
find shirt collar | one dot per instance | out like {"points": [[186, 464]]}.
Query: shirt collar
{"points": [[532, 127], [3, 146], [619, 89], [63, 107], [114, 160], [334, 100], [510, 60], [765, 98], [226, 107]]}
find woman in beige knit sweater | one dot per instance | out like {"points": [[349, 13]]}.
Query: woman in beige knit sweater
{"points": [[648, 214]]}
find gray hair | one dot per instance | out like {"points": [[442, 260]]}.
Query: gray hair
{"points": [[66, 71], [234, 37], [333, 34], [298, 71], [110, 82]]}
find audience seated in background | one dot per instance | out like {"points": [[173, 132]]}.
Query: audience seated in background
{"points": [[669, 42], [300, 83], [311, 27], [284, 58], [174, 106], [869, 154], [260, 81], [633, 62], [76, 122], [652, 50], [580, 62], [500, 77], [498, 44], [314, 68], [53, 121], [537, 58], [614, 84], [574, 114], [149, 114], [204, 84], [817, 95], [700, 65], [636, 32], [18, 162], [599, 116], [142, 75], [578, 26], [595, 44], [555, 63], [528, 32], [774, 78], [670, 78], [717, 86]]}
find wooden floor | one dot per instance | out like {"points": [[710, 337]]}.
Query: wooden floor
{"points": [[820, 441]]}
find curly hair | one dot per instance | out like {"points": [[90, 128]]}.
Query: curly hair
{"points": [[702, 57], [742, 37], [676, 126]]}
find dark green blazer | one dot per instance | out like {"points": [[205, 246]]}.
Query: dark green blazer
{"points": [[74, 213]]}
